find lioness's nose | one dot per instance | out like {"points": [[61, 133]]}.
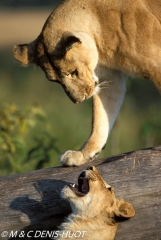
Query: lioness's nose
{"points": [[95, 78]]}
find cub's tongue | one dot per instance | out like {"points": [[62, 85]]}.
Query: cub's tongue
{"points": [[83, 185], [84, 188]]}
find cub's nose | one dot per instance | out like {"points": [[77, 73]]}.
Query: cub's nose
{"points": [[83, 174], [90, 168]]}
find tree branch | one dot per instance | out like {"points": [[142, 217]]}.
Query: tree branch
{"points": [[31, 201]]}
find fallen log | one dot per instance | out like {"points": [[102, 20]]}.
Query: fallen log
{"points": [[30, 202]]}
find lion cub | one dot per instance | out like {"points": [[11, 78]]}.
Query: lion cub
{"points": [[96, 212]]}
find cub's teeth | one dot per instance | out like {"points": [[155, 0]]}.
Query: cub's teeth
{"points": [[73, 185]]}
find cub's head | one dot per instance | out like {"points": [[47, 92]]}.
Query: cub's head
{"points": [[70, 60], [92, 196]]}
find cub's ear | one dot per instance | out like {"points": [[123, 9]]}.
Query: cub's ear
{"points": [[25, 53], [123, 211]]}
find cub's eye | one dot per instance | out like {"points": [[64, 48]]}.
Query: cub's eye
{"points": [[74, 73]]}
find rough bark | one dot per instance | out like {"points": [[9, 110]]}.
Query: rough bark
{"points": [[31, 201]]}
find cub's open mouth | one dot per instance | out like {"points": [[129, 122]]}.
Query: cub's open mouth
{"points": [[82, 188]]}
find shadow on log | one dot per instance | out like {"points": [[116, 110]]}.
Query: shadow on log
{"points": [[31, 201]]}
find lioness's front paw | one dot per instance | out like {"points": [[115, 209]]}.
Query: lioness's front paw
{"points": [[72, 158]]}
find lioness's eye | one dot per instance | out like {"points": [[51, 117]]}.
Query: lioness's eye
{"points": [[74, 73]]}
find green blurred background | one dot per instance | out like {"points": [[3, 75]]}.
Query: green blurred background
{"points": [[38, 121]]}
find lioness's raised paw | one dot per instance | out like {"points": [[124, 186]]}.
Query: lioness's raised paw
{"points": [[72, 158]]}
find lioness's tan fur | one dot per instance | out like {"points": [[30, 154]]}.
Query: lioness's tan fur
{"points": [[97, 213], [90, 47]]}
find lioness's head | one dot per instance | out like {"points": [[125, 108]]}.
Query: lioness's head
{"points": [[70, 61], [92, 196]]}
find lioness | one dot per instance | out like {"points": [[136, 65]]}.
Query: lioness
{"points": [[96, 212], [90, 47]]}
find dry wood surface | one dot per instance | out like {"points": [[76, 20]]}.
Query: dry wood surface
{"points": [[31, 201]]}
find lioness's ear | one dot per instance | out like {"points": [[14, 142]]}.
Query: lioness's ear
{"points": [[123, 211], [70, 41], [25, 53]]}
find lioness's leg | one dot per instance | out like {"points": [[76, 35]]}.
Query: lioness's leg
{"points": [[106, 106]]}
